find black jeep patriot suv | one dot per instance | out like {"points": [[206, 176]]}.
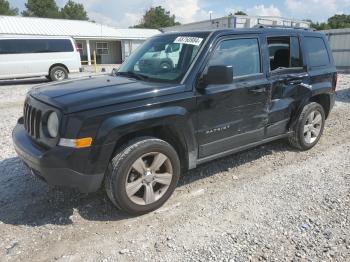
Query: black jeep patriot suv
{"points": [[135, 130]]}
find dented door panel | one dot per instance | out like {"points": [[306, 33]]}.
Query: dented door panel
{"points": [[288, 89], [228, 111]]}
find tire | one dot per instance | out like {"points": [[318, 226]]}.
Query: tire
{"points": [[58, 73], [122, 182], [166, 66], [305, 136]]}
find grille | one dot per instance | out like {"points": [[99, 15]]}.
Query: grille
{"points": [[32, 120]]}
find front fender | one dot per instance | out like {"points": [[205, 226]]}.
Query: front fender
{"points": [[115, 127]]}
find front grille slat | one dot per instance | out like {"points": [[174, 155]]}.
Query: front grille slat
{"points": [[32, 120], [29, 118], [25, 115], [37, 124]]}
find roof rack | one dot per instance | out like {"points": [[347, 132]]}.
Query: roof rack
{"points": [[284, 27]]}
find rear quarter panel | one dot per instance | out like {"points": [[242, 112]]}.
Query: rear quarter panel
{"points": [[321, 77]]}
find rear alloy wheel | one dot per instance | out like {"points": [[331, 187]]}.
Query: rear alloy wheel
{"points": [[312, 127], [309, 127], [143, 175], [58, 73]]}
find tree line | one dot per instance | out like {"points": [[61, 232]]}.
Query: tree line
{"points": [[334, 22], [154, 17], [47, 9]]}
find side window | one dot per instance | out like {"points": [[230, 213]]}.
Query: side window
{"points": [[14, 46], [242, 54], [295, 54], [27, 46], [59, 45], [33, 46], [7, 47], [316, 51], [284, 53]]}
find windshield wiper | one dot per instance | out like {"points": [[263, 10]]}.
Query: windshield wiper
{"points": [[132, 74]]}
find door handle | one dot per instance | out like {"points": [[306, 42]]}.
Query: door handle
{"points": [[297, 76], [294, 81], [257, 90]]}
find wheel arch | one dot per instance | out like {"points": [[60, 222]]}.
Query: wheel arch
{"points": [[172, 125], [164, 132], [324, 100], [58, 64]]}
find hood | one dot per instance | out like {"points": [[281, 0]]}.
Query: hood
{"points": [[98, 91]]}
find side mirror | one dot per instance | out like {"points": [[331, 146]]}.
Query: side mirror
{"points": [[218, 75]]}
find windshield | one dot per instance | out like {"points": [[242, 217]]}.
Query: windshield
{"points": [[165, 58]]}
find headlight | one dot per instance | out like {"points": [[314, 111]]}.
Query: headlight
{"points": [[52, 125]]}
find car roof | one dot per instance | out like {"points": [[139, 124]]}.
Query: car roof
{"points": [[255, 30], [33, 37]]}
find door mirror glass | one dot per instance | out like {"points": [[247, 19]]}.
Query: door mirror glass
{"points": [[218, 75]]}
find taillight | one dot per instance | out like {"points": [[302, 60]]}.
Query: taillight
{"points": [[335, 81]]}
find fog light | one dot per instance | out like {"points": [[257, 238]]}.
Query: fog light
{"points": [[76, 143]]}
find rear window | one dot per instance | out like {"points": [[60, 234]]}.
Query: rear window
{"points": [[26, 46], [316, 51]]}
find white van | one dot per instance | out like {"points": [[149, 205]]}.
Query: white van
{"points": [[29, 56]]}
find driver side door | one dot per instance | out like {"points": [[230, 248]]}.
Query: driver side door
{"points": [[233, 115]]}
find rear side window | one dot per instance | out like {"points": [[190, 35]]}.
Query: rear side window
{"points": [[316, 51], [60, 45], [295, 55], [242, 54], [27, 46], [284, 53]]}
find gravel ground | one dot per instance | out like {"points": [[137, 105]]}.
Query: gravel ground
{"points": [[270, 203]]}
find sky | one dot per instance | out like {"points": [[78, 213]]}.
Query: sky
{"points": [[125, 13]]}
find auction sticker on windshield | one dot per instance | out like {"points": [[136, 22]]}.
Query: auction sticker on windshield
{"points": [[188, 40]]}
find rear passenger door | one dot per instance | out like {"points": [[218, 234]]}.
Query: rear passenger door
{"points": [[235, 114], [288, 75]]}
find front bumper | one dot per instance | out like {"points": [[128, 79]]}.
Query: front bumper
{"points": [[54, 165]]}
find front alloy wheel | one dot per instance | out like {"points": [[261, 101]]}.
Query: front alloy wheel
{"points": [[142, 175], [149, 178]]}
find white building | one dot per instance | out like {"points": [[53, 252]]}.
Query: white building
{"points": [[239, 21], [112, 45], [339, 40]]}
